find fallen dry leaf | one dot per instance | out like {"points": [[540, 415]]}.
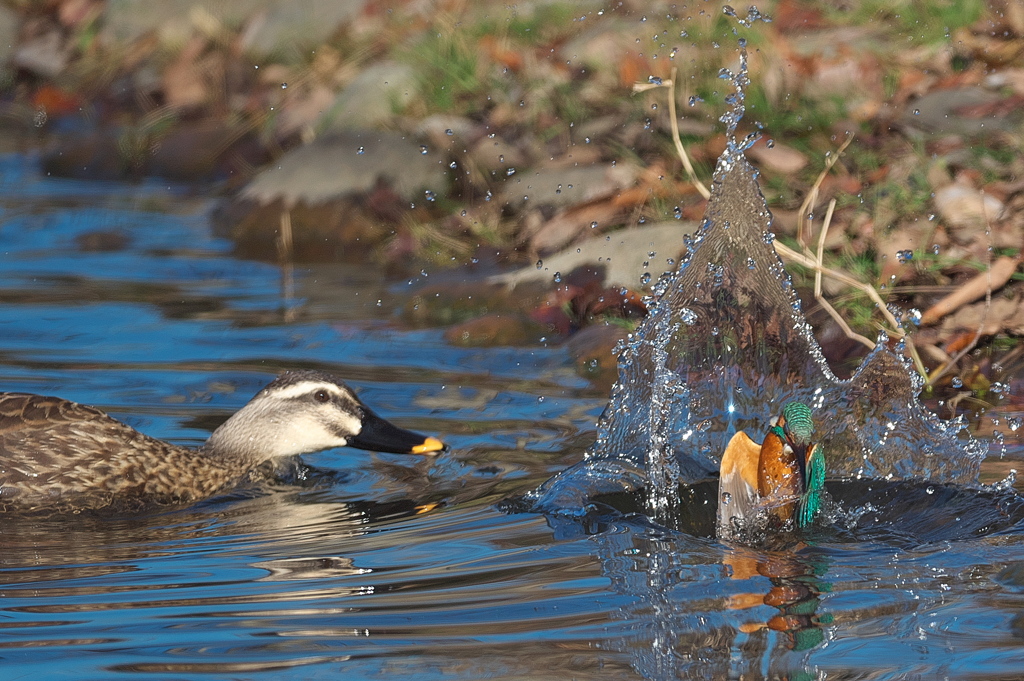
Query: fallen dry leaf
{"points": [[780, 158], [965, 209], [995, 278]]}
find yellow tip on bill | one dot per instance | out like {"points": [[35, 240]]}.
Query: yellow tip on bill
{"points": [[429, 446]]}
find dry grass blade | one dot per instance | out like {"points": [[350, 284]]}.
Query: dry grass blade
{"points": [[819, 270], [674, 120], [802, 222]]}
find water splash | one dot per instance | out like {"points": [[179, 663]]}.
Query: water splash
{"points": [[724, 347]]}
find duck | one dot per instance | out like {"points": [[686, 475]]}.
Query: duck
{"points": [[56, 454], [782, 478]]}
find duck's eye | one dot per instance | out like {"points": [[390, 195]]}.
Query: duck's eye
{"points": [[321, 396]]}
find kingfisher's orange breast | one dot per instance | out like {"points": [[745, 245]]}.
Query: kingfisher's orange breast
{"points": [[778, 476]]}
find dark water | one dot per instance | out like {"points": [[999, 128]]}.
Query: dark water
{"points": [[334, 573]]}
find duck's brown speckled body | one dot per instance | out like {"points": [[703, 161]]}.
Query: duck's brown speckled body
{"points": [[59, 455]]}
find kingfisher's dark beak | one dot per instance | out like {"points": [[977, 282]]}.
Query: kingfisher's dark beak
{"points": [[379, 435]]}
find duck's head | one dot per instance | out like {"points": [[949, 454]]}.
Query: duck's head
{"points": [[308, 411], [798, 425]]}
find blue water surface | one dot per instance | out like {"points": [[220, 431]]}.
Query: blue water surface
{"points": [[369, 566]]}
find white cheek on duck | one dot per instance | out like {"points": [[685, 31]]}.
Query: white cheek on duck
{"points": [[301, 436]]}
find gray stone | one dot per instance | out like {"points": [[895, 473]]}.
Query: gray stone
{"points": [[373, 98], [941, 113], [561, 187], [10, 22], [44, 55], [349, 162], [623, 256], [274, 25]]}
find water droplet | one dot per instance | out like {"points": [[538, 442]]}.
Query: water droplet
{"points": [[688, 316], [558, 277], [768, 237], [510, 171], [540, 264], [284, 86], [726, 498], [361, 150], [678, 213], [728, 10], [654, 80], [430, 195], [935, 249], [449, 132], [917, 112], [593, 225], [645, 278], [423, 149], [930, 490], [770, 144], [904, 256], [957, 382], [751, 264], [453, 165]]}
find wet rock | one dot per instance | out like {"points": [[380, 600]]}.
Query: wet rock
{"points": [[454, 302], [495, 329], [189, 152], [343, 194], [102, 241], [373, 98], [593, 352]]}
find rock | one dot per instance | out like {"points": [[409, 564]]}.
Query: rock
{"points": [[563, 187], [953, 111], [346, 163], [45, 55], [273, 25], [373, 98], [621, 257], [593, 352], [494, 329], [10, 21]]}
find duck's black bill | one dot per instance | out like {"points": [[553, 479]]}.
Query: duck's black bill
{"points": [[379, 435]]}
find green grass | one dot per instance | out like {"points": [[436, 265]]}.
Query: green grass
{"points": [[912, 22]]}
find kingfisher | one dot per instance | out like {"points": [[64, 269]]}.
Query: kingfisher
{"points": [[784, 475]]}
